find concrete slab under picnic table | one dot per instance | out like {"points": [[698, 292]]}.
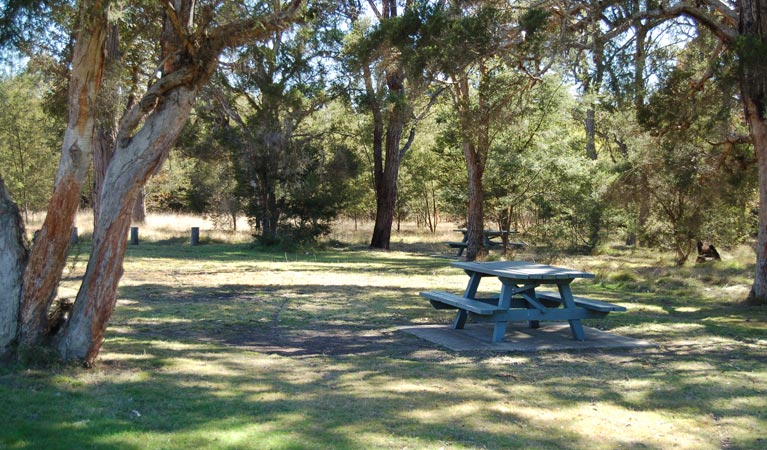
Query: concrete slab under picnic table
{"points": [[521, 338]]}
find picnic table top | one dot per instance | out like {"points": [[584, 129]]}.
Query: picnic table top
{"points": [[521, 270]]}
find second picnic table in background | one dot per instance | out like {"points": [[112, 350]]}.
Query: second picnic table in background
{"points": [[489, 237]]}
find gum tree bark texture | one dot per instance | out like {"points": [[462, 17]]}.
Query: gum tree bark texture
{"points": [[13, 258], [146, 133], [48, 257], [134, 161]]}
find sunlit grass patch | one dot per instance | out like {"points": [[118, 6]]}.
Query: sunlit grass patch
{"points": [[229, 345]]}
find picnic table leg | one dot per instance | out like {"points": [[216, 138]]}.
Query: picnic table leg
{"points": [[470, 292], [499, 331], [567, 300], [471, 288], [533, 323], [460, 319]]}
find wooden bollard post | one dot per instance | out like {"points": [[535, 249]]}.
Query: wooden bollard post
{"points": [[74, 238], [133, 235], [194, 239]]}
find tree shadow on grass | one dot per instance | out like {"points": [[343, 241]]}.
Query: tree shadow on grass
{"points": [[296, 320], [206, 367]]}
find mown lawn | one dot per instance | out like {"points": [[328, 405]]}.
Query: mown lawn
{"points": [[227, 346]]}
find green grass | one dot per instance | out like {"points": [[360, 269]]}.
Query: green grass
{"points": [[231, 346]]}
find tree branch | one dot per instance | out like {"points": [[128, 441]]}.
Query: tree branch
{"points": [[254, 28], [375, 9], [722, 31], [136, 113], [178, 27]]}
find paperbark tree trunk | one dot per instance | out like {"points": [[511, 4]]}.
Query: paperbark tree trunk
{"points": [[48, 257], [134, 161], [146, 133], [158, 118], [13, 258]]}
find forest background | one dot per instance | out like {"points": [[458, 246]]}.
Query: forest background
{"points": [[573, 124], [662, 163]]}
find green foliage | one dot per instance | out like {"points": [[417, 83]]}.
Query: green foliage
{"points": [[28, 142], [690, 188]]}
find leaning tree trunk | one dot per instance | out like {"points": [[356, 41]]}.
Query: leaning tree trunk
{"points": [[134, 161], [13, 258], [48, 257], [752, 29]]}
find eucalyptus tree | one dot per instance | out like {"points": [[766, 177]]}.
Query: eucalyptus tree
{"points": [[490, 55], [193, 36], [388, 58]]}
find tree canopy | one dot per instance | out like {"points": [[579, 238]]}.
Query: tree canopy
{"points": [[577, 123]]}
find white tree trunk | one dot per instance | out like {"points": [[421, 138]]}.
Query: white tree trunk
{"points": [[13, 258]]}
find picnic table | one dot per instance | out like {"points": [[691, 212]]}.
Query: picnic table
{"points": [[519, 298], [489, 239]]}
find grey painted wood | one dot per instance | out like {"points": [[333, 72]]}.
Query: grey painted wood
{"points": [[587, 303], [521, 270], [460, 302], [520, 299]]}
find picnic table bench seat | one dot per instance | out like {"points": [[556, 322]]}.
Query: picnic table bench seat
{"points": [[457, 244], [594, 305], [446, 300]]}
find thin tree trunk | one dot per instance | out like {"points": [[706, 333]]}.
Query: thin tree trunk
{"points": [[48, 257], [591, 128], [386, 190], [106, 120], [13, 259], [387, 172]]}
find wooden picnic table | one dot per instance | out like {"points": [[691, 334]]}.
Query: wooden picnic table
{"points": [[519, 298], [488, 235]]}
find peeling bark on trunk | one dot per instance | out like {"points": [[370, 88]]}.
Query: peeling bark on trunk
{"points": [[48, 257], [146, 133], [13, 258], [134, 161]]}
